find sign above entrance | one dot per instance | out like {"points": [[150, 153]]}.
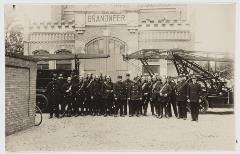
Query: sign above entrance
{"points": [[106, 19]]}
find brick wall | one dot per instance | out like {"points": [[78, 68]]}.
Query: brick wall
{"points": [[20, 93]]}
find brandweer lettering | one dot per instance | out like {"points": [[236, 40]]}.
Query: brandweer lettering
{"points": [[106, 18]]}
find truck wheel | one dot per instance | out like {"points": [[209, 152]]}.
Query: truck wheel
{"points": [[42, 102], [204, 105]]}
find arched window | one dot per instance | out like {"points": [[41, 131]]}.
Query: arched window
{"points": [[63, 64], [104, 45], [42, 65], [114, 65]]}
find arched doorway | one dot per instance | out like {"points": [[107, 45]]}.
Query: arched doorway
{"points": [[114, 65]]}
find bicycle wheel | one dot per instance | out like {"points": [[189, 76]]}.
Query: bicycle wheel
{"points": [[38, 116]]}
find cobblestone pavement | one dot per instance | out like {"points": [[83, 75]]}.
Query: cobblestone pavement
{"points": [[214, 131]]}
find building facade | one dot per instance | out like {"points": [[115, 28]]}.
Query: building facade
{"points": [[113, 30]]}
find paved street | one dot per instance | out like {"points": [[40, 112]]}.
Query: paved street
{"points": [[214, 131]]}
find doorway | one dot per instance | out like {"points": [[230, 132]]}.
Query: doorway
{"points": [[114, 65]]}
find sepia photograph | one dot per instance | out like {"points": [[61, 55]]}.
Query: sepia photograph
{"points": [[119, 77]]}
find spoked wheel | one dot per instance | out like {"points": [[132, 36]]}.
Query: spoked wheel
{"points": [[203, 106], [38, 116], [42, 102]]}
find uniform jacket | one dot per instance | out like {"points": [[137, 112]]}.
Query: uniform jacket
{"points": [[119, 90], [107, 90], [96, 89], [128, 83], [146, 88], [53, 89], [181, 91], [136, 91], [66, 87], [166, 89], [88, 83], [79, 88], [173, 85], [155, 88], [194, 92], [60, 84]]}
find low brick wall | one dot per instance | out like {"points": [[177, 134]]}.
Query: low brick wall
{"points": [[20, 93]]}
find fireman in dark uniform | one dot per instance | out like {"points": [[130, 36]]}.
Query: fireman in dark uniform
{"points": [[154, 98], [60, 82], [96, 94], [68, 96], [75, 104], [127, 83], [79, 90], [119, 96], [53, 91], [107, 96], [172, 96], [146, 92], [193, 95], [181, 98], [165, 92], [142, 81], [88, 101], [102, 79], [136, 97]]}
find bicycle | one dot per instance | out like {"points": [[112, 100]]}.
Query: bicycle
{"points": [[38, 116]]}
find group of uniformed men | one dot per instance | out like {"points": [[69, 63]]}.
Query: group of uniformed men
{"points": [[98, 95]]}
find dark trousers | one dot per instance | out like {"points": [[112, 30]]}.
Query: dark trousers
{"points": [[158, 106], [88, 105], [108, 105], [182, 109], [141, 109], [194, 110], [172, 104], [130, 107], [152, 105], [118, 106], [53, 106], [163, 106], [96, 104], [69, 102], [125, 104], [62, 104], [136, 106], [145, 103], [102, 106], [79, 104]]}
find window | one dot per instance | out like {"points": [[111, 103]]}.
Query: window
{"points": [[42, 65], [63, 64], [104, 45]]}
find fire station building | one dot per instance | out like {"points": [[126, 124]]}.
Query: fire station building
{"points": [[113, 30]]}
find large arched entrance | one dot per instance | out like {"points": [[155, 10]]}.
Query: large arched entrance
{"points": [[114, 65]]}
